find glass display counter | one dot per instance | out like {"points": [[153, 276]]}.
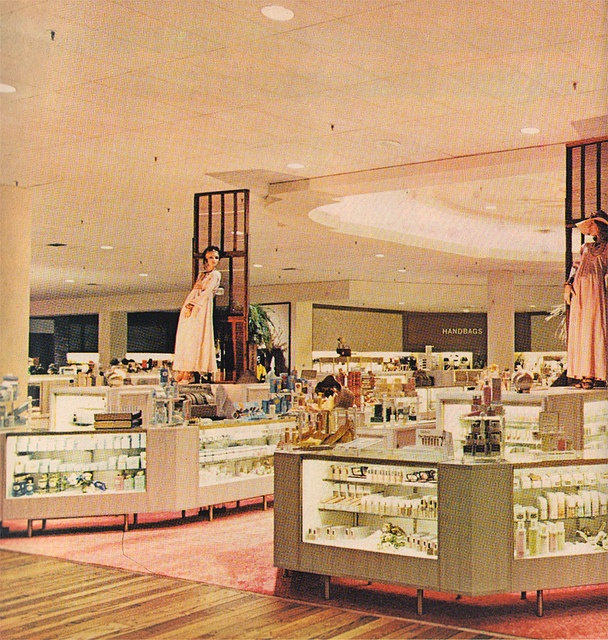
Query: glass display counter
{"points": [[468, 528], [559, 421], [236, 460], [54, 475], [388, 508]]}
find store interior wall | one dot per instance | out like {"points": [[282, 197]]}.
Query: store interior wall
{"points": [[360, 329], [364, 330]]}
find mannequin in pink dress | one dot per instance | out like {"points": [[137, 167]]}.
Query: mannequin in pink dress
{"points": [[194, 340], [585, 294]]}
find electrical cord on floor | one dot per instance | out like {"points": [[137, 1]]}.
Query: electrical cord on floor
{"points": [[126, 555]]}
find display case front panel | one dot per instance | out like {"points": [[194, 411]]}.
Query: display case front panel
{"points": [[559, 524], [384, 508], [230, 454], [45, 465]]}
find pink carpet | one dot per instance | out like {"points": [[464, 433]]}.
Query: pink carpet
{"points": [[236, 550]]}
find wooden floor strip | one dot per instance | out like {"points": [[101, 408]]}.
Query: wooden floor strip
{"points": [[45, 598]]}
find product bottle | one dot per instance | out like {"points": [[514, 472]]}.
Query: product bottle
{"points": [[520, 540], [552, 529], [561, 536], [543, 537], [552, 504], [119, 482], [542, 507], [533, 538], [486, 392]]}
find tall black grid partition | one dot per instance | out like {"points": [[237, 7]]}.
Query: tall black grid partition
{"points": [[586, 188], [221, 218]]}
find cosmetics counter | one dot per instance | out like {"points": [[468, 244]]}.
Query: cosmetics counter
{"points": [[556, 419], [528, 515], [436, 526], [119, 471]]}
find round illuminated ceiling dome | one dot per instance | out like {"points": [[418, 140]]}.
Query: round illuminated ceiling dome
{"points": [[398, 216], [277, 12]]}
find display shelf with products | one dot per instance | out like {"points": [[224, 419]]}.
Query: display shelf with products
{"points": [[355, 514], [558, 527], [363, 514], [560, 510], [71, 464], [595, 433], [557, 421], [74, 408], [53, 475], [385, 508], [236, 460]]}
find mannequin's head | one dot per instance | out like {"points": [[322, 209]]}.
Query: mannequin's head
{"points": [[211, 257]]}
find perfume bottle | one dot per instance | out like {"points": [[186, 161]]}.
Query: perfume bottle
{"points": [[520, 540], [533, 538], [561, 536], [543, 539]]}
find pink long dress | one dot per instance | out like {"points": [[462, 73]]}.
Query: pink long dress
{"points": [[194, 340], [588, 321]]}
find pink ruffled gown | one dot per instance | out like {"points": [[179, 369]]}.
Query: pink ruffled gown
{"points": [[588, 320]]}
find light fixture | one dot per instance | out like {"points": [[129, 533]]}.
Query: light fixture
{"points": [[143, 275], [295, 165], [402, 303], [106, 247], [70, 280], [490, 207], [530, 131], [277, 12], [387, 144], [401, 270], [7, 88], [379, 255], [257, 266]]}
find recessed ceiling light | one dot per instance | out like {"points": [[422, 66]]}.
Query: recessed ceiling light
{"points": [[7, 88], [258, 266], [56, 244], [530, 131], [143, 275], [401, 270], [106, 247], [70, 280], [295, 165], [277, 12], [532, 306], [490, 207], [402, 303], [379, 255], [389, 143], [466, 310]]}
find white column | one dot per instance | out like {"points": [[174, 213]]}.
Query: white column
{"points": [[301, 335], [501, 319], [15, 258], [112, 336]]}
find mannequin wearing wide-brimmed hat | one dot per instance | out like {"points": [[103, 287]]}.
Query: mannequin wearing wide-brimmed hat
{"points": [[585, 293]]}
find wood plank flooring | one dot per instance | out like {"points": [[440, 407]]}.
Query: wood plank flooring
{"points": [[45, 598]]}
